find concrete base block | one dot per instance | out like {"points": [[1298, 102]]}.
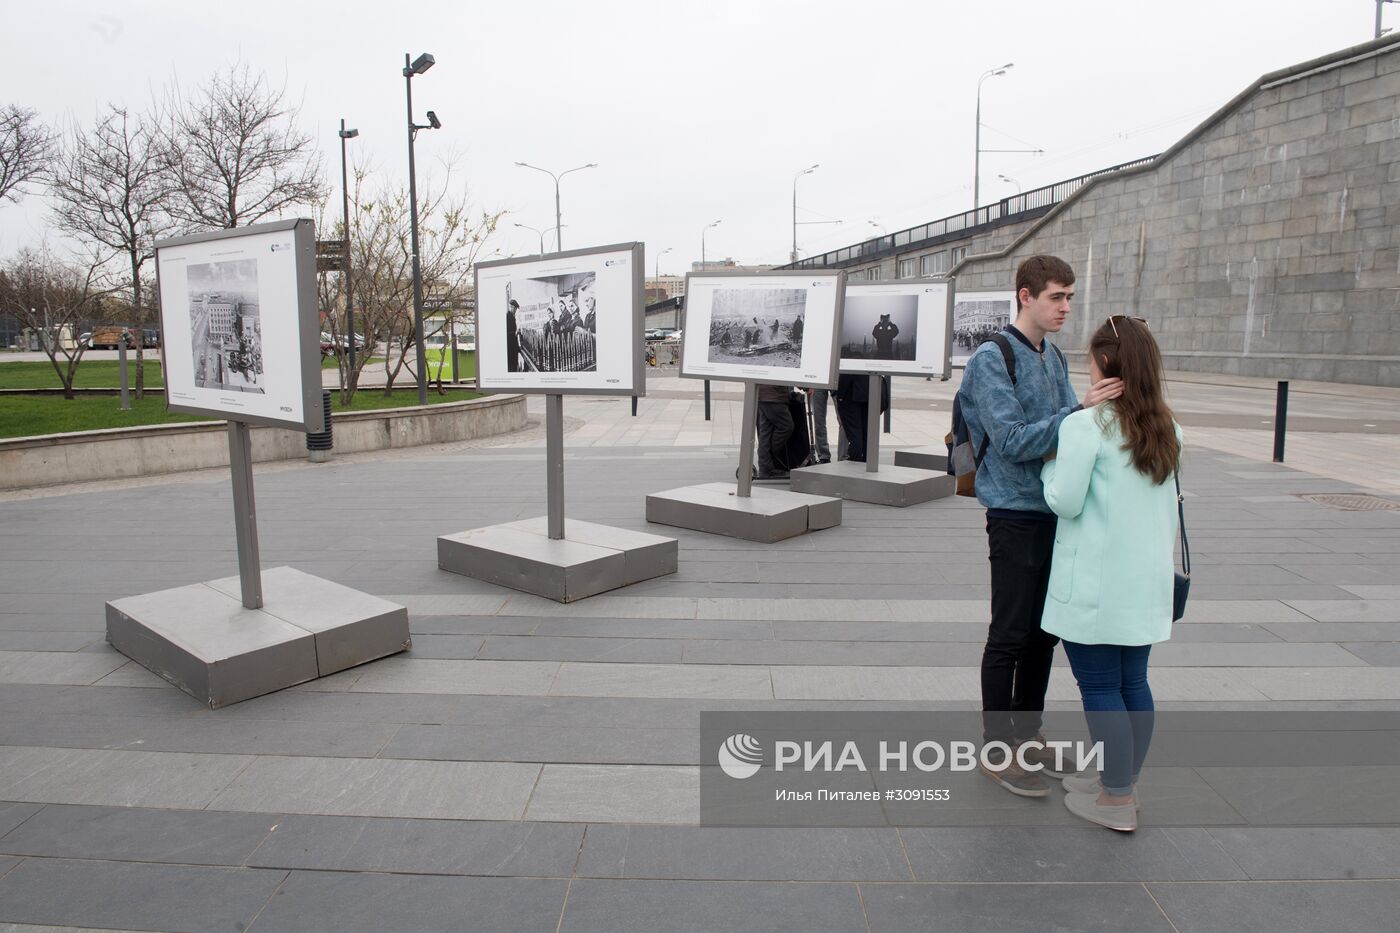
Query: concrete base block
{"points": [[892, 485], [923, 458], [766, 515], [202, 640], [589, 560]]}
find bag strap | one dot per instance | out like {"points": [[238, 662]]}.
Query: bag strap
{"points": [[1008, 356], [1181, 524]]}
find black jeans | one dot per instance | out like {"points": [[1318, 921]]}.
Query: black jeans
{"points": [[854, 422], [1016, 662], [775, 426]]}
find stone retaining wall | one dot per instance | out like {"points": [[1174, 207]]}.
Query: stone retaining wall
{"points": [[121, 453]]}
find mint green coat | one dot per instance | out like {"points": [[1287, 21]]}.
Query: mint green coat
{"points": [[1111, 577]]}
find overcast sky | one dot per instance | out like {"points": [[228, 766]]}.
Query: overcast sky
{"points": [[696, 111]]}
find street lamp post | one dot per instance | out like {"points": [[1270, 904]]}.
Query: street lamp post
{"points": [[806, 171], [702, 243], [977, 134], [349, 295], [657, 274], [558, 214], [416, 67], [536, 230]]}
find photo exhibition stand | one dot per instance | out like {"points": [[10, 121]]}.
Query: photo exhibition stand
{"points": [[744, 511], [535, 556], [898, 486], [253, 300], [239, 637]]}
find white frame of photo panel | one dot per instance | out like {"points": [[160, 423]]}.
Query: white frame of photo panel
{"points": [[618, 272], [286, 392], [960, 358], [817, 367], [933, 315]]}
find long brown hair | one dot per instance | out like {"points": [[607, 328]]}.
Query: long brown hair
{"points": [[1124, 348]]}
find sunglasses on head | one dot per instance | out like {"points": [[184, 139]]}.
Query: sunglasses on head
{"points": [[1125, 317]]}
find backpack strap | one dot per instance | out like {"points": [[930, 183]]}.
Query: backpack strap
{"points": [[1009, 356]]}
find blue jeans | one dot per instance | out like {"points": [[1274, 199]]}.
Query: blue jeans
{"points": [[1118, 705]]}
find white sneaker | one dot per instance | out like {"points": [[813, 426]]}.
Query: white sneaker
{"points": [[1121, 817], [1089, 783]]}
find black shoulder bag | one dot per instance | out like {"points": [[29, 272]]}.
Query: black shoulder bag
{"points": [[1181, 582]]}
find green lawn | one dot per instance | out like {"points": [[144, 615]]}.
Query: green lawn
{"points": [[26, 415], [91, 374]]}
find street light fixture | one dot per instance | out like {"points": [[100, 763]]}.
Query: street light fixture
{"points": [[345, 229], [806, 171], [879, 226], [977, 134], [1011, 181], [558, 244], [702, 243], [419, 65], [536, 230]]}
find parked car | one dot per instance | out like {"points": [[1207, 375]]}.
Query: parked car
{"points": [[673, 337], [659, 333]]}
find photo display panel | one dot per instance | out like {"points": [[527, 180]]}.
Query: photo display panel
{"points": [[898, 328], [238, 323], [567, 323], [976, 316], [769, 327]]}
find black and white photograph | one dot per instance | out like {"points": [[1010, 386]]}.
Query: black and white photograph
{"points": [[978, 315], [879, 327], [226, 325], [565, 323], [552, 324], [758, 326]]}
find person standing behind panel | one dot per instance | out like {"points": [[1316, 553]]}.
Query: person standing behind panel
{"points": [[1021, 419]]}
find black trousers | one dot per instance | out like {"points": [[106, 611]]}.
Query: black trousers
{"points": [[854, 418], [775, 426], [1016, 662]]}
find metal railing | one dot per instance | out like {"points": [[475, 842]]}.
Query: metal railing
{"points": [[1005, 210]]}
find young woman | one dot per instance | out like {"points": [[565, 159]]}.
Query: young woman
{"points": [[1111, 482]]}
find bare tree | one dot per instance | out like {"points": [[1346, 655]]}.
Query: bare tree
{"points": [[111, 193], [235, 154], [25, 144], [450, 237], [51, 296]]}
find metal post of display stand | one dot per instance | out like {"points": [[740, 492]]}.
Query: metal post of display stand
{"points": [[746, 440], [245, 518], [872, 426], [554, 463], [889, 411], [121, 355], [707, 400]]}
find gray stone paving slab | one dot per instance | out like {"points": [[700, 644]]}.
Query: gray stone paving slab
{"points": [[1349, 610], [445, 647], [7, 864], [1300, 907], [655, 628], [1369, 683], [337, 902], [13, 814], [48, 641], [539, 647], [597, 906], [132, 674], [115, 778], [225, 736], [662, 680], [1313, 852], [56, 667], [457, 790], [438, 847], [1300, 795], [1388, 591], [1066, 854], [1377, 654], [619, 607], [563, 743], [1182, 654], [1010, 908], [125, 895], [849, 610], [465, 604], [426, 675], [616, 794], [1335, 631], [190, 837], [932, 654], [743, 854]]}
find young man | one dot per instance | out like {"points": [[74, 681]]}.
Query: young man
{"points": [[1021, 422]]}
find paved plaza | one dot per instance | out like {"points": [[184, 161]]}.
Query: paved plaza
{"points": [[532, 766]]}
